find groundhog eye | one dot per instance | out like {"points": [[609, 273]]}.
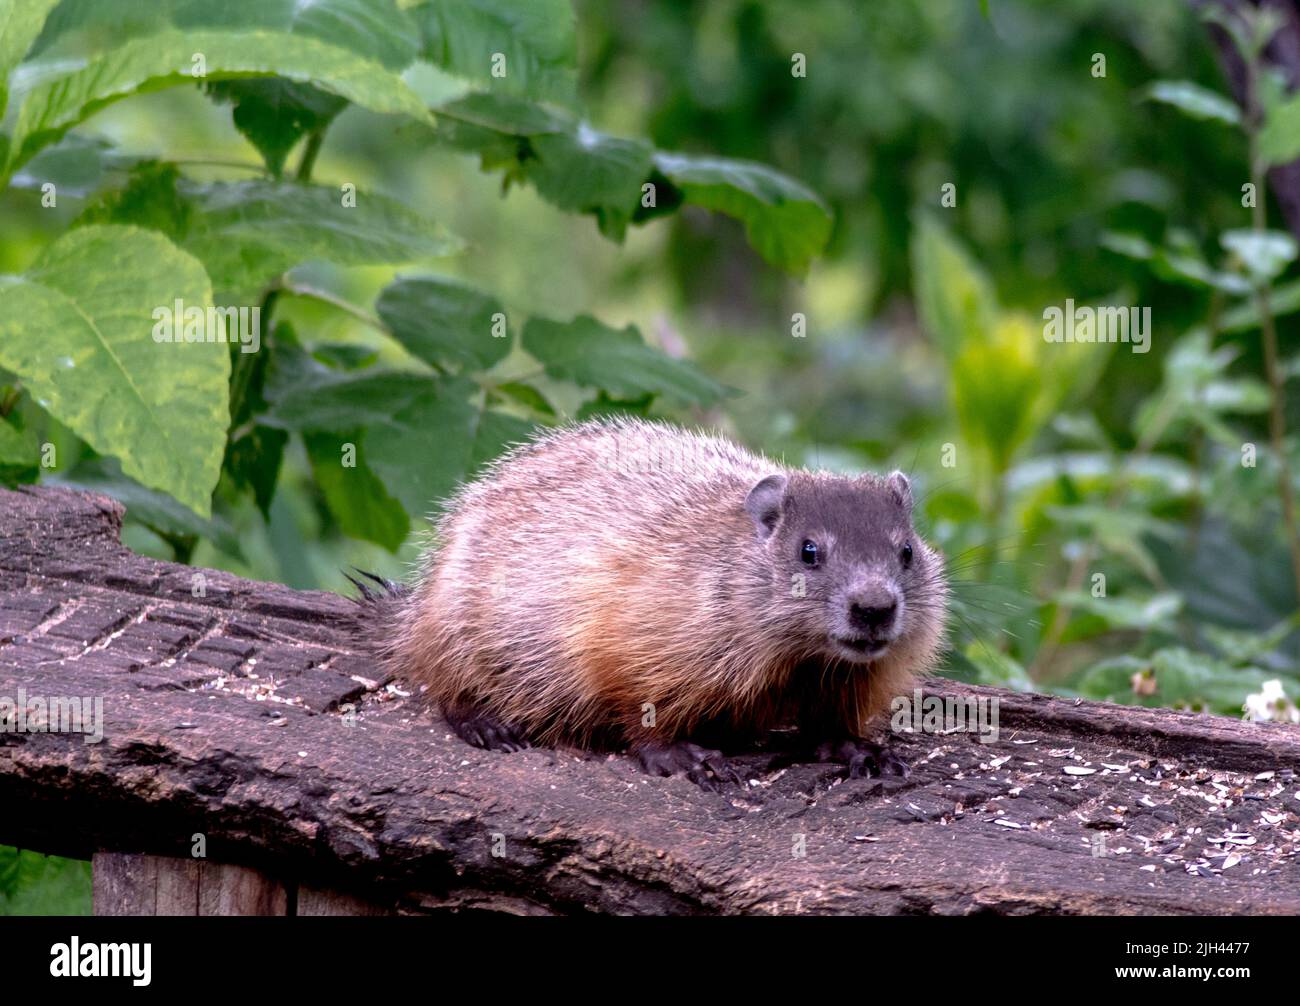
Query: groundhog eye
{"points": [[906, 554], [808, 553]]}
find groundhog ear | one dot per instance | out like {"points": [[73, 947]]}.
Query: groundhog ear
{"points": [[901, 487], [764, 504]]}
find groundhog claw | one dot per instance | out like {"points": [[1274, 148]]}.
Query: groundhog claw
{"points": [[705, 767], [485, 731], [864, 758]]}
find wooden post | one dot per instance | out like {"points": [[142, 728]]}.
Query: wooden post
{"points": [[132, 884]]}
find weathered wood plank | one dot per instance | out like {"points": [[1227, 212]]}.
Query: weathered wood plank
{"points": [[316, 901], [135, 884], [205, 732]]}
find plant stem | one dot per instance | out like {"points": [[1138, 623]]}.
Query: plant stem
{"points": [[1268, 329], [1079, 568], [309, 154]]}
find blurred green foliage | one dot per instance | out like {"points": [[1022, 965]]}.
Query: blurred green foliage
{"points": [[860, 214]]}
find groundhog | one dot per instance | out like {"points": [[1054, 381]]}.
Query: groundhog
{"points": [[628, 584]]}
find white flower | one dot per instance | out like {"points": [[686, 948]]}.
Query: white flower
{"points": [[1271, 703]]}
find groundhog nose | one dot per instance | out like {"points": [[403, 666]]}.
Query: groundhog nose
{"points": [[873, 610]]}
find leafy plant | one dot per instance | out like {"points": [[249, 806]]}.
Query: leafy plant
{"points": [[147, 332]]}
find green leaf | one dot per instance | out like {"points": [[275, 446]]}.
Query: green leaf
{"points": [[955, 299], [1154, 612], [997, 389], [423, 436], [1194, 100], [35, 884], [528, 396], [275, 114], [155, 510], [580, 169], [536, 41], [1184, 266], [585, 171], [978, 664], [1241, 647], [248, 233], [376, 30], [17, 446], [253, 464], [1265, 254], [354, 495], [617, 361], [20, 24], [443, 322], [1176, 677], [1279, 139], [78, 329], [168, 59], [786, 223], [75, 166]]}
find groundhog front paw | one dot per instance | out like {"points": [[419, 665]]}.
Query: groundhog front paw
{"points": [[863, 757], [484, 731], [705, 767]]}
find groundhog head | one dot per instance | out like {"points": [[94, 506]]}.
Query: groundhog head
{"points": [[853, 579]]}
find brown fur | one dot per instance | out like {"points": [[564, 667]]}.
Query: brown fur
{"points": [[613, 564]]}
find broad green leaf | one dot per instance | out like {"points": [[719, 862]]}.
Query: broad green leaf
{"points": [[1265, 254], [1184, 266], [622, 181], [354, 495], [585, 171], [1240, 395], [1194, 100], [526, 395], [1176, 677], [603, 405], [997, 389], [786, 223], [168, 59], [110, 21], [253, 464], [78, 329], [275, 114], [617, 361], [17, 446], [374, 29], [20, 24], [155, 510], [955, 299], [443, 322], [36, 884], [518, 46], [246, 233], [1241, 647], [1282, 300], [422, 435], [75, 166], [1279, 139], [979, 664], [1149, 613]]}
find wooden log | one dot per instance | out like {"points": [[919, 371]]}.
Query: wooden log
{"points": [[225, 714]]}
